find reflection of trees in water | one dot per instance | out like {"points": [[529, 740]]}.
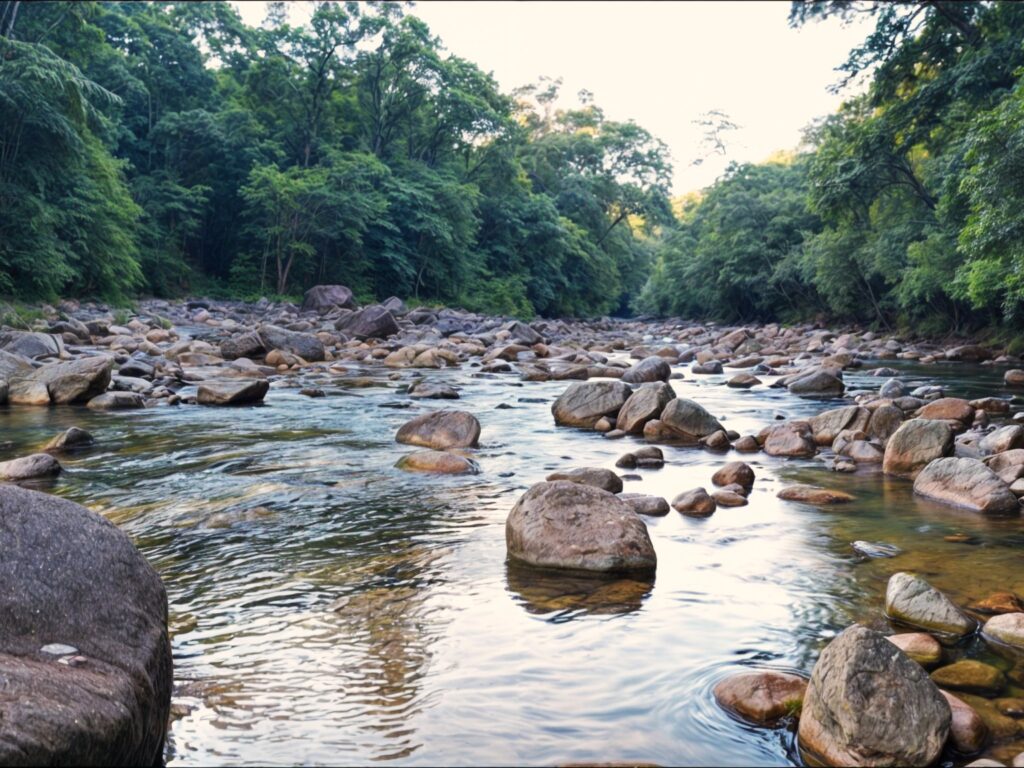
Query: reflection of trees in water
{"points": [[388, 628], [570, 593]]}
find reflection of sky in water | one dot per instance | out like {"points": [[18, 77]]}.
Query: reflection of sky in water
{"points": [[328, 608]]}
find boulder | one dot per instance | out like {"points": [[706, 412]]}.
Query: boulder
{"points": [[373, 322], [916, 443], [966, 483], [84, 652], [948, 409], [919, 646], [884, 422], [440, 462], [232, 391], [689, 420], [77, 381], [1006, 628], [816, 383], [585, 402], [827, 425], [791, 438], [324, 298], [648, 370], [572, 526], [441, 430], [29, 467], [867, 704], [761, 697], [912, 600], [248, 345], [604, 479], [734, 472], [523, 333], [695, 503], [644, 405], [811, 494], [1003, 439], [31, 344], [70, 439], [116, 401], [304, 345]]}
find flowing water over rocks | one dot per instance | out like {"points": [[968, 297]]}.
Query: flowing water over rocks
{"points": [[327, 607]]}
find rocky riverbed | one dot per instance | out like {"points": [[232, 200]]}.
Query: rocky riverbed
{"points": [[392, 528]]}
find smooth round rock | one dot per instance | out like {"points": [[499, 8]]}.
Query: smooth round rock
{"points": [[919, 646], [440, 462], [441, 430], [811, 494], [914, 601], [761, 697]]}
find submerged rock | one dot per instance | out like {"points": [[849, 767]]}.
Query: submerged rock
{"points": [[867, 704], [70, 439], [572, 526], [440, 462], [811, 494], [970, 676], [761, 697]]}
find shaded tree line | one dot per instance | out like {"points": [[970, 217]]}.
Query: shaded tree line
{"points": [[169, 148], [904, 208]]}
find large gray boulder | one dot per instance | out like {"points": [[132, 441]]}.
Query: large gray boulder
{"points": [[29, 467], [868, 704], [816, 383], [966, 483], [568, 525], [77, 381], [827, 425], [523, 333], [912, 600], [585, 402], [649, 369], [305, 345], [248, 344], [373, 322], [689, 420], [324, 298], [85, 661], [441, 430], [645, 404], [31, 344], [916, 443]]}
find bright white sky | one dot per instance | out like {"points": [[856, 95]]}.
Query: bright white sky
{"points": [[661, 64]]}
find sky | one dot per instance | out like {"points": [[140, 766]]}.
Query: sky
{"points": [[661, 64]]}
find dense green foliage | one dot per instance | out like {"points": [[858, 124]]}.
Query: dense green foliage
{"points": [[905, 207], [168, 148]]}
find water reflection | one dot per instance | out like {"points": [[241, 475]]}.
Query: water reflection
{"points": [[568, 595]]}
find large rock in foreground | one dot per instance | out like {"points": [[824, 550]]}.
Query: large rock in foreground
{"points": [[914, 601], [441, 430], [578, 527], [868, 704], [916, 443], [966, 483], [70, 578], [585, 402]]}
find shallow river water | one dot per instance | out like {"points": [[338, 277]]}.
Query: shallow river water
{"points": [[327, 608]]}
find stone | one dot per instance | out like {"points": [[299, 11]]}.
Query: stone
{"points": [[884, 422], [1014, 378], [967, 731], [71, 578], [31, 344], [440, 462], [571, 526], [117, 401], [734, 472], [593, 476], [747, 444], [970, 676], [584, 402], [948, 409], [729, 498], [743, 381], [817, 383], [791, 438], [373, 322], [694, 503], [827, 425], [304, 345], [642, 504], [913, 601], [811, 494], [997, 603], [1006, 628], [248, 345], [689, 420], [916, 443], [76, 381], [863, 452], [717, 441], [232, 391], [441, 430], [70, 439], [644, 405], [1001, 440], [648, 370], [29, 467], [710, 367], [867, 704], [762, 697], [966, 483], [426, 390], [324, 298], [919, 646]]}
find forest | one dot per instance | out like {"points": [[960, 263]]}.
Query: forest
{"points": [[170, 149]]}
